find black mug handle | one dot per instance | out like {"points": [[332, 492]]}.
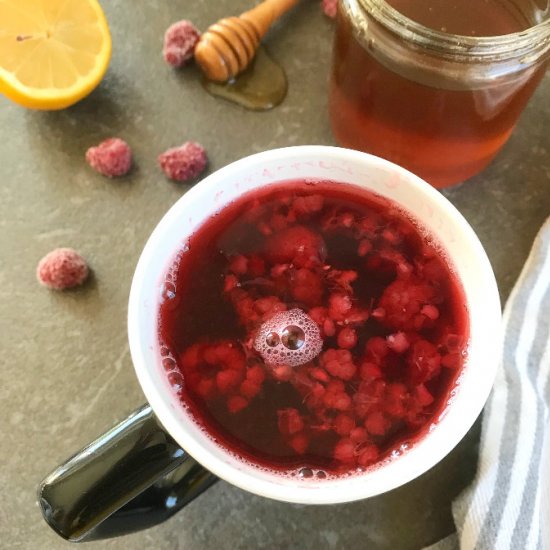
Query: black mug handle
{"points": [[131, 478]]}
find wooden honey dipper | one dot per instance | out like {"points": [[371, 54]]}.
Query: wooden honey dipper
{"points": [[227, 47]]}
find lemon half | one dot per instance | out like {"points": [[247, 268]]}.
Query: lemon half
{"points": [[52, 52]]}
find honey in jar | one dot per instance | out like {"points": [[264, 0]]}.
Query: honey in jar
{"points": [[436, 86]]}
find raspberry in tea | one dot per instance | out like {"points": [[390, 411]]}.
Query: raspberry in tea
{"points": [[313, 327]]}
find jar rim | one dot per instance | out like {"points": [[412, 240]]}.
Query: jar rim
{"points": [[535, 39]]}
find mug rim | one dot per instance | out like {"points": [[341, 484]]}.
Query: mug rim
{"points": [[342, 489]]}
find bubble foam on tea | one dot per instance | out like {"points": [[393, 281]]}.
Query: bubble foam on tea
{"points": [[289, 338]]}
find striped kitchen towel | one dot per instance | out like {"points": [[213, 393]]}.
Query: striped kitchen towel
{"points": [[508, 504]]}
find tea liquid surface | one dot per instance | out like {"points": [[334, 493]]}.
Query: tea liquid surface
{"points": [[317, 267]]}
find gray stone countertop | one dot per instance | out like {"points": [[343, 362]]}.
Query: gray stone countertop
{"points": [[65, 364]]}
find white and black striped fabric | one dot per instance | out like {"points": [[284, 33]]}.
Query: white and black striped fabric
{"points": [[508, 504]]}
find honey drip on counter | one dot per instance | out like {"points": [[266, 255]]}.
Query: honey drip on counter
{"points": [[262, 86]]}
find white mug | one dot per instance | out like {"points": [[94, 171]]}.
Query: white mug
{"points": [[424, 204]]}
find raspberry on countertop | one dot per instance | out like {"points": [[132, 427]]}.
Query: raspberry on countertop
{"points": [[111, 158], [180, 40], [62, 268], [183, 163]]}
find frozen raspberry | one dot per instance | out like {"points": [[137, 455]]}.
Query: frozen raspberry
{"points": [[250, 389], [363, 403], [306, 287], [359, 435], [378, 313], [336, 386], [289, 421], [376, 348], [375, 389], [341, 310], [377, 424], [347, 220], [299, 443], [244, 306], [424, 361], [394, 400], [342, 401], [344, 424], [391, 236], [342, 279], [328, 328], [344, 450], [415, 417], [319, 374], [339, 401], [402, 301], [267, 307], [184, 162], [424, 397], [369, 371], [308, 204], [433, 270], [347, 338], [365, 246], [278, 270], [388, 263], [452, 343], [278, 222], [216, 369], [303, 381], [62, 268], [451, 361], [230, 282], [227, 380], [180, 40], [430, 311], [297, 245], [236, 404], [111, 158], [338, 363], [398, 342], [325, 324], [314, 399], [282, 373], [368, 455], [238, 265], [192, 356], [339, 306], [255, 374]]}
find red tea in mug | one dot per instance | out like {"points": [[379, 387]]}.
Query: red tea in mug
{"points": [[315, 328]]}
